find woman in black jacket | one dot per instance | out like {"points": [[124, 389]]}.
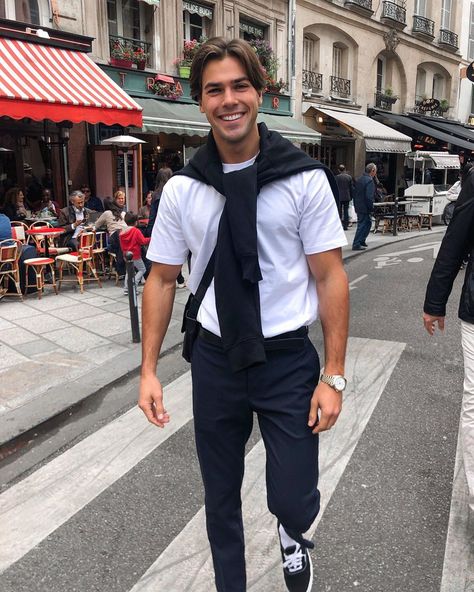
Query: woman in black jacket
{"points": [[458, 240]]}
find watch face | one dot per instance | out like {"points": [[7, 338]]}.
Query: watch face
{"points": [[340, 383]]}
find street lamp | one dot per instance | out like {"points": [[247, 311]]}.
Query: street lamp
{"points": [[124, 143]]}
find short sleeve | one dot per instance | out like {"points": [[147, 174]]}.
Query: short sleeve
{"points": [[167, 243], [320, 226]]}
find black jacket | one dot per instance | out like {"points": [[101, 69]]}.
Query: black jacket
{"points": [[345, 185], [458, 241]]}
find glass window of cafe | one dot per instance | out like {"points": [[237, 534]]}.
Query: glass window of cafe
{"points": [[197, 19], [250, 31]]}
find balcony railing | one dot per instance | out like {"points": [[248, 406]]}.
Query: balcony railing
{"points": [[364, 6], [384, 101], [448, 38], [312, 82], [340, 87], [394, 11], [130, 45], [423, 26]]}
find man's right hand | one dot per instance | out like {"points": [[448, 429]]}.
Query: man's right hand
{"points": [[150, 401], [430, 322]]}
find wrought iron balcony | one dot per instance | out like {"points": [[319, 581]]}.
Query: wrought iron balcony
{"points": [[448, 39], [394, 13], [129, 47], [340, 87], [423, 26], [362, 6], [312, 82], [384, 101]]}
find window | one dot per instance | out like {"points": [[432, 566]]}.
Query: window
{"points": [[196, 20], [337, 55], [470, 51], [308, 54], [2, 8], [250, 31], [438, 87], [124, 18], [420, 7], [380, 85], [420, 83], [446, 9], [27, 11]]}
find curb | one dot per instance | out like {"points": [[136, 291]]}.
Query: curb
{"points": [[52, 402]]}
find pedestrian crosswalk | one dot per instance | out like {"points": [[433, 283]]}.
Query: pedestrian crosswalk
{"points": [[36, 507]]}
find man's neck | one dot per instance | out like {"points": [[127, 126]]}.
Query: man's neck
{"points": [[238, 152]]}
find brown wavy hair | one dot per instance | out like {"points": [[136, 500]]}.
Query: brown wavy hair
{"points": [[219, 48]]}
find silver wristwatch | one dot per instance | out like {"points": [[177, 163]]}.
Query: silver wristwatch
{"points": [[337, 381]]}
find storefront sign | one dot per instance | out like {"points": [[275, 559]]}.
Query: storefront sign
{"points": [[251, 29], [428, 105], [198, 9]]}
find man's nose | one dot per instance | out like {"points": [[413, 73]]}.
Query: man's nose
{"points": [[229, 96]]}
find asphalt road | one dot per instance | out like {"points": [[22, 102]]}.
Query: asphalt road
{"points": [[385, 518]]}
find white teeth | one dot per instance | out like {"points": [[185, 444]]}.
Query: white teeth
{"points": [[231, 117]]}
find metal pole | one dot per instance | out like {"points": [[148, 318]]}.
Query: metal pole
{"points": [[395, 214], [132, 296], [125, 170]]}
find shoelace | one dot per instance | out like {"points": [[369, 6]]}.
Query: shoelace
{"points": [[294, 558]]}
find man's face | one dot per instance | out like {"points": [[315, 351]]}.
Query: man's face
{"points": [[373, 172], [87, 192], [46, 195], [229, 102], [78, 202]]}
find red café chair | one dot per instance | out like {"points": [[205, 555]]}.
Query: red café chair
{"points": [[19, 231], [80, 262], [10, 251], [39, 264], [39, 240]]}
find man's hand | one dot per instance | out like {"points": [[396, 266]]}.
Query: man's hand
{"points": [[430, 322], [328, 403], [150, 401]]}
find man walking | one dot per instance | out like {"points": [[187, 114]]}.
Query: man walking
{"points": [[364, 197], [457, 243], [345, 186], [260, 220]]}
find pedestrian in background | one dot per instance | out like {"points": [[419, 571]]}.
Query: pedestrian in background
{"points": [[260, 219], [345, 184], [457, 242], [364, 197]]}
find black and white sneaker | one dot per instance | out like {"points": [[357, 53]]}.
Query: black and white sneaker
{"points": [[297, 566]]}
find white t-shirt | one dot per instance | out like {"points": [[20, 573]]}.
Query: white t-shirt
{"points": [[296, 216]]}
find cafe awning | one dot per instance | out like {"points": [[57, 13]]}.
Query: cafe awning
{"points": [[377, 137], [187, 120], [425, 129], [43, 82]]}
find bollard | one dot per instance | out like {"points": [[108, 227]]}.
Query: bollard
{"points": [[395, 217], [132, 296]]}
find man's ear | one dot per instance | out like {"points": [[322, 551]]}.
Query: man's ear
{"points": [[200, 106], [260, 98]]}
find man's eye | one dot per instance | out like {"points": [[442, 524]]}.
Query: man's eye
{"points": [[241, 86], [213, 91]]}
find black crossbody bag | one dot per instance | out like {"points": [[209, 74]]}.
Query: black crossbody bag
{"points": [[190, 326]]}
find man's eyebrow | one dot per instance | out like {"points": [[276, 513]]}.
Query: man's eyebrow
{"points": [[218, 84]]}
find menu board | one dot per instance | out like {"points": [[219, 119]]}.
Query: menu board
{"points": [[121, 169]]}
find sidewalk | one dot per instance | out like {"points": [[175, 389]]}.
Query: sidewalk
{"points": [[57, 351]]}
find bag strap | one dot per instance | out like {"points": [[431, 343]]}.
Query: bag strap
{"points": [[206, 279]]}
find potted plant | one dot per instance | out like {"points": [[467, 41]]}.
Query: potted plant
{"points": [[274, 86], [443, 105], [140, 57], [270, 64], [183, 63], [121, 54], [388, 96], [167, 90]]}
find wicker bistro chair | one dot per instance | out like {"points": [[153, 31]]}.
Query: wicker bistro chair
{"points": [[100, 251], [80, 262], [39, 264], [19, 231], [10, 251], [39, 241]]}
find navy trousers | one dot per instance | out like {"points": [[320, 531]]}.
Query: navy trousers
{"points": [[364, 222], [279, 392]]}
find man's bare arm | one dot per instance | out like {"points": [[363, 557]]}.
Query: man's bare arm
{"points": [[158, 299], [333, 294]]}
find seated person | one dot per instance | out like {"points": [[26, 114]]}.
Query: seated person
{"points": [[92, 202], [14, 205], [48, 207], [27, 252], [144, 211], [73, 219], [113, 222]]}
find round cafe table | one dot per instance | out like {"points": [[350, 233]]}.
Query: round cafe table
{"points": [[47, 232]]}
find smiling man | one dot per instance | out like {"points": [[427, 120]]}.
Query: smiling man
{"points": [[261, 222]]}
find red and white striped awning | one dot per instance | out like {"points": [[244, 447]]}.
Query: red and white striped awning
{"points": [[44, 82]]}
